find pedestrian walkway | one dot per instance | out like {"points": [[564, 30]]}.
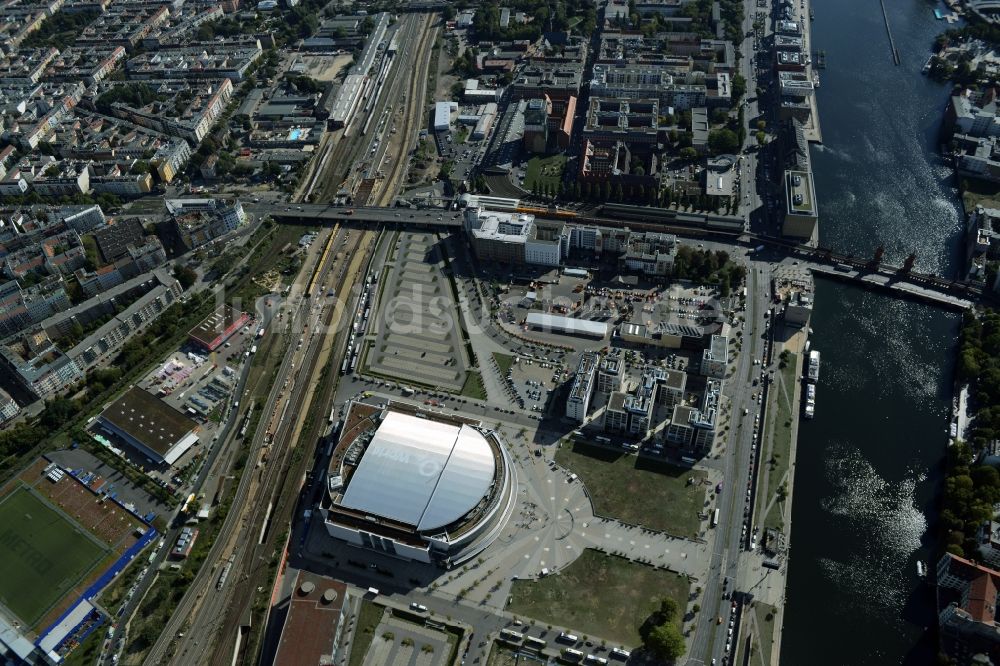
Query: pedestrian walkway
{"points": [[552, 524]]}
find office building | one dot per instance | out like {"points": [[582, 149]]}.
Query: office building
{"points": [[583, 387], [715, 359], [609, 376]]}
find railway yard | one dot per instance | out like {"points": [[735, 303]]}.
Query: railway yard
{"points": [[233, 586]]}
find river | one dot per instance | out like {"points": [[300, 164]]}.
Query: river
{"points": [[869, 464]]}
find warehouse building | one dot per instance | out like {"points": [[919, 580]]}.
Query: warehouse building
{"points": [[550, 323], [217, 327], [154, 428]]}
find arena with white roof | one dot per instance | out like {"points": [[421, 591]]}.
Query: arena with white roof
{"points": [[416, 484]]}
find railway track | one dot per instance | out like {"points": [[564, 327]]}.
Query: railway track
{"points": [[349, 149], [235, 524], [313, 398], [413, 115], [210, 615]]}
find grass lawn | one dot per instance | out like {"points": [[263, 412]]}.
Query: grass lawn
{"points": [[766, 629], [504, 362], [368, 618], [501, 655], [780, 437], [86, 652], [980, 193], [473, 386], [599, 595], [42, 555], [636, 490], [544, 171]]}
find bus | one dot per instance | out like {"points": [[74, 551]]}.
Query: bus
{"points": [[569, 654], [533, 643], [511, 636], [715, 518], [565, 637]]}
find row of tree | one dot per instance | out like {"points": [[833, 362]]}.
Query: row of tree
{"points": [[660, 633], [971, 490], [708, 267], [635, 193]]}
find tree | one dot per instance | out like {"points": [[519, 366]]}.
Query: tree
{"points": [[665, 641], [723, 141], [738, 87], [688, 153], [185, 276]]}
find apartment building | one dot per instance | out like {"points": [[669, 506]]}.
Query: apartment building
{"points": [[694, 427], [641, 81], [538, 78], [63, 178], [631, 411], [199, 221], [182, 27], [650, 253], [26, 66], [34, 110], [187, 109], [123, 178], [610, 374], [89, 64], [20, 19], [212, 60], [34, 364], [974, 113], [8, 408], [967, 595], [102, 346], [633, 121], [123, 24]]}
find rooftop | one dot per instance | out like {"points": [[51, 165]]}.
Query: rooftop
{"points": [[310, 629], [212, 326], [420, 472], [799, 188], [148, 420]]}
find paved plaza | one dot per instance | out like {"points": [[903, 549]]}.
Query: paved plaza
{"points": [[424, 647], [552, 524]]}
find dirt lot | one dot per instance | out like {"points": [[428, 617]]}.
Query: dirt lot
{"points": [[325, 67]]}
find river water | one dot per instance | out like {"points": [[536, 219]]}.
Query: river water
{"points": [[869, 464]]}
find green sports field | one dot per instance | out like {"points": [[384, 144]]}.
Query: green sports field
{"points": [[42, 555]]}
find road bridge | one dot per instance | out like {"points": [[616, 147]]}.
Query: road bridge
{"points": [[900, 281]]}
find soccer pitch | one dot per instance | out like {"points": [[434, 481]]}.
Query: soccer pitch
{"points": [[42, 555]]}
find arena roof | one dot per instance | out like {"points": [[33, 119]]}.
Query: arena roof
{"points": [[421, 472]]}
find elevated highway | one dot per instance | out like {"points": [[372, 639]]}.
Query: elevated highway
{"points": [[896, 280]]}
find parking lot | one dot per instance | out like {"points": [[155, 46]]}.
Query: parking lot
{"points": [[201, 386], [532, 384], [400, 642], [417, 338]]}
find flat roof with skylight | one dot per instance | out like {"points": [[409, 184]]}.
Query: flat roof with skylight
{"points": [[151, 425], [799, 192]]}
